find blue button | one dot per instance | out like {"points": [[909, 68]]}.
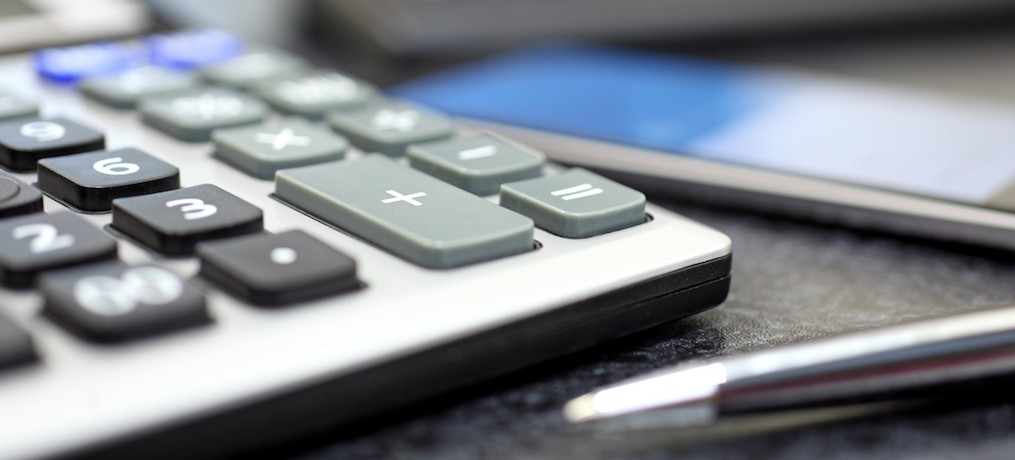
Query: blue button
{"points": [[68, 65], [196, 48]]}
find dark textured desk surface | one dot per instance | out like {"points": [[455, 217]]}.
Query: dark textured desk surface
{"points": [[792, 282]]}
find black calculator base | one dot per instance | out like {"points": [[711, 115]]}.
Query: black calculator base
{"points": [[330, 404]]}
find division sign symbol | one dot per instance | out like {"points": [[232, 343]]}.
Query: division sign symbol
{"points": [[478, 152]]}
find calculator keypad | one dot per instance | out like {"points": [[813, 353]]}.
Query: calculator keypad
{"points": [[31, 244], [91, 181], [113, 302], [174, 222], [383, 237], [23, 142], [406, 212], [277, 269]]}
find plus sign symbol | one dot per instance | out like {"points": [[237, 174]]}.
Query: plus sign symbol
{"points": [[282, 139], [410, 198]]}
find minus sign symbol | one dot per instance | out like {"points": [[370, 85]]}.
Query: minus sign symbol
{"points": [[478, 152]]}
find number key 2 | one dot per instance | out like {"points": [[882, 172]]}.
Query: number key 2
{"points": [[91, 181], [31, 244], [174, 222]]}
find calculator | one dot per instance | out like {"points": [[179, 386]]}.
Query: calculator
{"points": [[209, 246]]}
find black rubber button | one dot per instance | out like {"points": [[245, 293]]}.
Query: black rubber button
{"points": [[18, 198], [25, 141], [113, 302], [277, 269], [91, 181], [174, 222], [31, 244]]}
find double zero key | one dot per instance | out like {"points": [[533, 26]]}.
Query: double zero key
{"points": [[413, 215], [113, 301]]}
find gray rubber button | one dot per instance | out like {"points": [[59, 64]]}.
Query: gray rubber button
{"points": [[406, 212], [255, 67], [576, 203], [124, 90], [310, 95], [387, 127], [192, 115], [478, 164], [261, 150]]}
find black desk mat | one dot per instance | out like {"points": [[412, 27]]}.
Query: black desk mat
{"points": [[792, 282]]}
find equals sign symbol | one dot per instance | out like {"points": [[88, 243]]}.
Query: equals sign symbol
{"points": [[578, 191], [478, 152]]}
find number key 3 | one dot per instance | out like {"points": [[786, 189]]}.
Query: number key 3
{"points": [[174, 222], [31, 244]]}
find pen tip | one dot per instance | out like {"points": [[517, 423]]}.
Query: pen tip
{"points": [[580, 409], [692, 390]]}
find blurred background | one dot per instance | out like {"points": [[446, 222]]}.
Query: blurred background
{"points": [[952, 45]]}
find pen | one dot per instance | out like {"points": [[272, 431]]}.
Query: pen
{"points": [[883, 362]]}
